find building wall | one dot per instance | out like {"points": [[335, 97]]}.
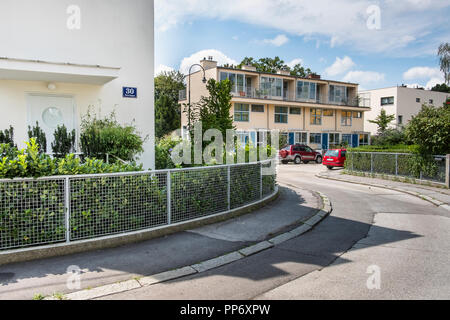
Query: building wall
{"points": [[375, 104], [113, 33]]}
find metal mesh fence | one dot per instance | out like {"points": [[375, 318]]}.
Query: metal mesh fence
{"points": [[113, 204], [198, 193], [399, 164], [245, 182], [32, 212]]}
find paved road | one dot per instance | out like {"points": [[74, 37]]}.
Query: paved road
{"points": [[403, 240]]}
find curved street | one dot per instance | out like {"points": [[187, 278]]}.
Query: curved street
{"points": [[376, 244]]}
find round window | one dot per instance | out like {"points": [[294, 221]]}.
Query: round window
{"points": [[52, 117]]}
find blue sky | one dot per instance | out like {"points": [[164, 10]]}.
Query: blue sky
{"points": [[374, 43]]}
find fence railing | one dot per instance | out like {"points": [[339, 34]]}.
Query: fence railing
{"points": [[71, 208], [398, 164]]}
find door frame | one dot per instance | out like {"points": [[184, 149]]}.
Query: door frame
{"points": [[56, 95]]}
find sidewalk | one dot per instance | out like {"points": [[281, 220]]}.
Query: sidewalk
{"points": [[49, 276], [438, 196]]}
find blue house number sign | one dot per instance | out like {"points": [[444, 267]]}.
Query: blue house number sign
{"points": [[129, 92]]}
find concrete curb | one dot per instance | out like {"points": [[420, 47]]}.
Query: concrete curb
{"points": [[201, 266], [436, 202]]}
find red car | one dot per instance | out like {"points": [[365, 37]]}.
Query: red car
{"points": [[334, 158], [298, 153]]}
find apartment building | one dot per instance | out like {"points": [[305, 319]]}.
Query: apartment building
{"points": [[401, 101], [59, 57], [313, 111]]}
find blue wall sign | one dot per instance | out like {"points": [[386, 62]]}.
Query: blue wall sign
{"points": [[128, 92]]}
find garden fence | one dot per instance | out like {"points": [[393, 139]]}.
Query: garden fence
{"points": [[70, 208], [398, 164]]}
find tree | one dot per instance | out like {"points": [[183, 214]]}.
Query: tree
{"points": [[64, 142], [7, 136], [39, 134], [430, 129], [382, 121], [167, 110], [441, 88], [214, 110], [167, 117], [272, 65], [444, 60]]}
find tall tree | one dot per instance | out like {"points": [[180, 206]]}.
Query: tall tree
{"points": [[444, 60], [167, 110], [382, 121], [272, 65], [441, 88]]}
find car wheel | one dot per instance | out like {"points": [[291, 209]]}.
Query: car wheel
{"points": [[330, 168], [319, 159], [298, 160], [284, 161]]}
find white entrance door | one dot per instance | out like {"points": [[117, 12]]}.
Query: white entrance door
{"points": [[50, 112]]}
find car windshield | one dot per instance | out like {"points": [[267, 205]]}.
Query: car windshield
{"points": [[287, 148], [332, 153]]}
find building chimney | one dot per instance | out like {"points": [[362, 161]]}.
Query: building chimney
{"points": [[248, 68], [208, 64], [284, 72], [314, 76]]}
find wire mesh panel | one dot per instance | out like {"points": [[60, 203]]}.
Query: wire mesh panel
{"points": [[359, 162], [384, 163], [31, 213], [269, 178], [198, 193], [245, 184], [435, 170], [113, 204]]}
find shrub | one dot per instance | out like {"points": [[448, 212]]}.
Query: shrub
{"points": [[163, 149], [106, 136], [390, 137], [64, 142], [39, 135], [7, 136]]}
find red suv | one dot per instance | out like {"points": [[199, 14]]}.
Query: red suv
{"points": [[334, 158], [298, 153]]}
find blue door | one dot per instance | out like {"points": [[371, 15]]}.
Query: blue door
{"points": [[291, 138], [355, 141], [324, 141]]}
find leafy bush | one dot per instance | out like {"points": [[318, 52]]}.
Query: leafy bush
{"points": [[30, 162], [400, 148], [390, 137], [39, 135], [106, 136], [163, 149], [64, 142], [7, 136]]}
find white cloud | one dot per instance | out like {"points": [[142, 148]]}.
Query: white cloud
{"points": [[339, 66], [422, 73], [364, 77], [338, 22], [162, 68], [218, 56], [294, 62], [278, 41]]}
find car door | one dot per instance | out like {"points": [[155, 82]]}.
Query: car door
{"points": [[310, 154]]}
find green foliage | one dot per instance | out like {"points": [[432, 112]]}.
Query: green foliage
{"points": [[64, 142], [390, 137], [167, 116], [37, 133], [441, 88], [399, 148], [214, 110], [167, 110], [163, 149], [7, 136], [272, 65], [430, 129], [106, 136], [382, 121]]}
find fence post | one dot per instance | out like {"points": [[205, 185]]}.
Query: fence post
{"points": [[396, 164], [371, 162], [169, 200], [67, 207], [447, 171], [229, 187], [261, 180]]}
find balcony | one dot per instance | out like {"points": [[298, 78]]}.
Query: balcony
{"points": [[182, 95]]}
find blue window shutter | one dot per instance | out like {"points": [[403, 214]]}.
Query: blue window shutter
{"points": [[355, 141], [325, 141], [253, 138], [291, 137]]}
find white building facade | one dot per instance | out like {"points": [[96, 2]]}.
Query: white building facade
{"points": [[59, 57], [403, 102]]}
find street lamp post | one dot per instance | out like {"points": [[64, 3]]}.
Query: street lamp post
{"points": [[189, 97]]}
